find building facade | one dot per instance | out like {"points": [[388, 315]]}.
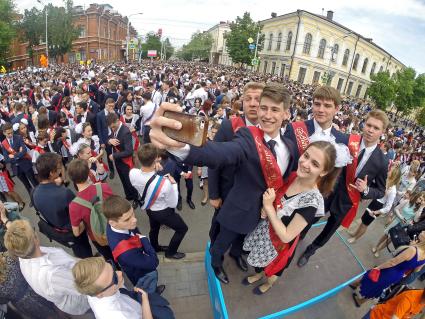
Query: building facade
{"points": [[311, 48], [102, 38], [218, 54]]}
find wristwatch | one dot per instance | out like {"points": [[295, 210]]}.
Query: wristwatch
{"points": [[366, 191]]}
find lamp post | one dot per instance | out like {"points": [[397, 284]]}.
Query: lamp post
{"points": [[47, 48], [128, 33]]}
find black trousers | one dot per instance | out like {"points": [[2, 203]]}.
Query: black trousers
{"points": [[189, 187], [108, 149], [82, 248], [170, 218], [28, 179], [215, 230], [105, 251], [225, 238], [123, 172], [146, 138], [332, 225]]}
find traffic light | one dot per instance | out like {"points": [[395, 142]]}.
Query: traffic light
{"points": [[160, 32]]}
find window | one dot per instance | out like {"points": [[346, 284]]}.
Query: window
{"points": [[316, 77], [279, 41], [301, 75], [265, 67], [340, 83], [350, 87], [282, 70], [273, 67], [381, 69], [372, 70], [270, 41], [307, 43], [322, 47], [335, 52], [288, 41], [345, 58], [82, 32], [366, 61], [359, 88], [356, 61]]}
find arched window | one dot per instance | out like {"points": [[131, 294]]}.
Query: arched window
{"points": [[365, 62], [307, 43], [289, 41], [270, 41], [335, 52], [346, 56], [381, 69], [279, 41], [372, 70], [356, 61], [322, 47]]}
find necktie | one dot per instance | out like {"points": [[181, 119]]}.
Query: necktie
{"points": [[359, 159], [271, 145], [11, 142]]}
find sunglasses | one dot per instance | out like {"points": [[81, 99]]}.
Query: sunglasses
{"points": [[114, 277]]}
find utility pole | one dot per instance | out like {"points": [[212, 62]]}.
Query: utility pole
{"points": [[47, 48], [128, 33]]}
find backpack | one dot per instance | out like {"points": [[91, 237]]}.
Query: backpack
{"points": [[98, 221]]}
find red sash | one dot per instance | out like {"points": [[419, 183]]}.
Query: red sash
{"points": [[11, 151], [353, 146], [126, 160], [126, 245], [67, 113], [273, 178], [301, 135], [136, 142], [92, 177], [237, 123], [39, 149]]}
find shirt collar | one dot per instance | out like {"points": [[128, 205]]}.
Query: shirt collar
{"points": [[318, 128], [121, 231], [369, 149], [248, 123]]}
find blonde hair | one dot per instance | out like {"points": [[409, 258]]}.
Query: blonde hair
{"points": [[20, 239], [394, 177], [414, 166], [253, 86], [85, 272]]}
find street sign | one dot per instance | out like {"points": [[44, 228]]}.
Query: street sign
{"points": [[254, 61], [152, 53], [132, 46], [78, 56], [2, 69], [251, 46], [250, 40]]}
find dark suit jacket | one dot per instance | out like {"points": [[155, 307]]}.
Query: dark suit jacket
{"points": [[126, 144], [376, 169], [91, 118], [93, 107], [241, 210], [102, 127], [19, 163], [19, 117]]}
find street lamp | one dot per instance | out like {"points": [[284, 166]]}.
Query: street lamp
{"points": [[128, 32], [45, 9]]}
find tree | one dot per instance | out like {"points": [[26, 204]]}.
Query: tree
{"points": [[420, 116], [32, 30], [404, 86], [7, 28], [153, 42], [382, 89], [168, 49], [199, 47], [237, 39], [419, 91]]}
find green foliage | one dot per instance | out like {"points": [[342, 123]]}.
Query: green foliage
{"points": [[420, 116], [237, 39], [382, 89], [405, 83], [7, 28], [199, 47], [152, 42]]}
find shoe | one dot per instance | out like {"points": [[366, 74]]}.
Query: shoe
{"points": [[190, 203], [241, 263], [356, 302], [21, 206], [176, 255], [161, 248], [204, 203], [376, 255], [221, 274], [373, 250], [135, 204], [351, 240], [111, 174], [31, 204], [160, 289], [179, 205], [352, 287], [303, 260]]}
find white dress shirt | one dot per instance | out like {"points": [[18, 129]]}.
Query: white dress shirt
{"points": [[118, 306], [50, 276], [318, 129], [168, 196], [146, 112], [388, 199], [367, 153]]}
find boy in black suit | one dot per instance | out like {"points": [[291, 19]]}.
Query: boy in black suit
{"points": [[365, 178]]}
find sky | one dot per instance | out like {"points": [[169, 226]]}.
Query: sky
{"points": [[398, 26]]}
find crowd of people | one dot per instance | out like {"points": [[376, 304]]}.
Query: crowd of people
{"points": [[279, 156]]}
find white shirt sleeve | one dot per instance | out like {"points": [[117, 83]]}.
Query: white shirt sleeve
{"points": [[181, 153], [172, 196], [389, 201]]}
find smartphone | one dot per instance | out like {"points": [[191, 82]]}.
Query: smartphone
{"points": [[194, 128]]}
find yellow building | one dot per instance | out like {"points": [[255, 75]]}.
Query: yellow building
{"points": [[311, 48], [218, 52]]}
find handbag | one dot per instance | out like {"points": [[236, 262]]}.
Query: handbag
{"points": [[374, 274], [399, 236]]}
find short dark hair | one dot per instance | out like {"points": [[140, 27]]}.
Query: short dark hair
{"points": [[109, 100], [111, 118], [147, 95], [115, 206], [78, 171], [326, 92], [7, 126], [83, 105], [47, 163], [147, 154], [278, 93]]}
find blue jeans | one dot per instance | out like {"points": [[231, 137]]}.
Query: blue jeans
{"points": [[367, 316], [148, 282]]}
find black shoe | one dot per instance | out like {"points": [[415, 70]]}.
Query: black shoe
{"points": [[179, 205], [303, 260], [135, 204], [111, 174], [241, 263], [161, 249], [160, 289], [177, 255], [190, 203], [221, 274], [21, 206]]}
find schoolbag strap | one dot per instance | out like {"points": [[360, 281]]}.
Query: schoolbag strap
{"points": [[99, 192], [142, 199], [82, 202]]}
